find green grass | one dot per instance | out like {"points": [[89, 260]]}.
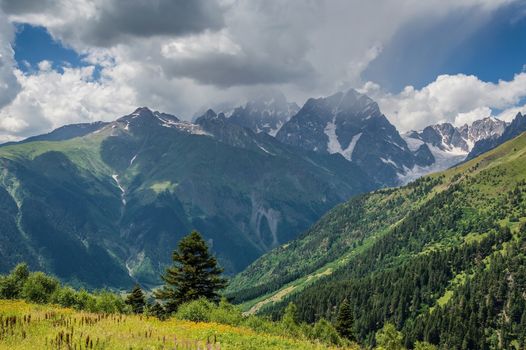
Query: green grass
{"points": [[49, 327], [163, 186], [82, 151]]}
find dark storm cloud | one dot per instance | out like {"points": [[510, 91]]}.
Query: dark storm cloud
{"points": [[224, 70], [119, 19], [116, 21], [19, 7]]}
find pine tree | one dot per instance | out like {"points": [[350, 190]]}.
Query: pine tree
{"points": [[136, 300], [193, 275], [157, 310], [344, 321]]}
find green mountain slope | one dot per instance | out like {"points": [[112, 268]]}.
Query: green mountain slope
{"points": [[442, 258], [117, 199]]}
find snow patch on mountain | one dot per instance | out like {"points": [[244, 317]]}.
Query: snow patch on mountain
{"points": [[185, 126], [334, 146], [412, 143], [443, 160]]}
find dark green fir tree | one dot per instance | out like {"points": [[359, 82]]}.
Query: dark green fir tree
{"points": [[193, 275], [344, 321], [157, 310], [136, 300]]}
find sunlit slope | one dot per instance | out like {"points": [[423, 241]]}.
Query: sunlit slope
{"points": [[387, 237], [28, 326]]}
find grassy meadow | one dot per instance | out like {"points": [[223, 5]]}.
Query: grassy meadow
{"points": [[32, 326]]}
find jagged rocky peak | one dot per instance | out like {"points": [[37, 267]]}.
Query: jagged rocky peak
{"points": [[516, 127], [513, 129], [210, 115], [352, 101], [482, 129], [445, 137], [143, 119], [266, 113], [145, 114], [450, 145], [448, 138], [335, 123], [222, 128], [351, 124]]}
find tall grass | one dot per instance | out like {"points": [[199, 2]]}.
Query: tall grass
{"points": [[31, 326]]}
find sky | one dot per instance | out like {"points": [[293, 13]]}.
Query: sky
{"points": [[424, 62]]}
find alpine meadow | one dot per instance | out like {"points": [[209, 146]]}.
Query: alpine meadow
{"points": [[262, 174]]}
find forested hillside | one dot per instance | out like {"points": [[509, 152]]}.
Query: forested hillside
{"points": [[442, 258], [117, 197]]}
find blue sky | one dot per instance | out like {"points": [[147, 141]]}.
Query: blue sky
{"points": [[423, 49], [34, 44]]}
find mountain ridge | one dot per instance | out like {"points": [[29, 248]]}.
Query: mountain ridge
{"points": [[127, 191], [431, 235]]}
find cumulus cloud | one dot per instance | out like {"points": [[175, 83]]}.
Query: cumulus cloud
{"points": [[475, 114], [456, 99], [510, 113], [49, 99], [177, 56], [9, 86]]}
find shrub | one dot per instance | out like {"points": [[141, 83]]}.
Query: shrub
{"points": [[85, 301], [109, 302], [196, 311], [66, 297], [388, 338], [289, 319], [260, 324], [39, 287], [226, 313], [11, 285], [156, 310], [422, 345], [325, 332]]}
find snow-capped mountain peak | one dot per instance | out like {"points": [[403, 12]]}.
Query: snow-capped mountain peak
{"points": [[449, 145], [351, 124], [482, 129], [267, 113]]}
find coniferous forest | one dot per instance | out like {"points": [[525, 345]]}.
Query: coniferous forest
{"points": [[441, 259]]}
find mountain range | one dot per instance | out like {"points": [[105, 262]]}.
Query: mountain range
{"points": [[117, 196], [441, 258]]}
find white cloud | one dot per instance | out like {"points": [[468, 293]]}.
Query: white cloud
{"points": [[509, 114], [45, 65], [8, 83], [450, 98], [49, 99], [233, 48], [471, 116], [200, 44]]}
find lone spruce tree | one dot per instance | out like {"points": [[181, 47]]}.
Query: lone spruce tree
{"points": [[136, 300], [193, 275], [344, 321]]}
